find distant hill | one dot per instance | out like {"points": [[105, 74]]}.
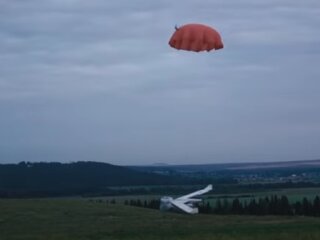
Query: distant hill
{"points": [[96, 178], [231, 166], [71, 178], [270, 165]]}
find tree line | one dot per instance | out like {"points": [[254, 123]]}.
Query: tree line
{"points": [[270, 205], [273, 205]]}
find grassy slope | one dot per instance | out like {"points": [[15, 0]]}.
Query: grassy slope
{"points": [[293, 194], [79, 219]]}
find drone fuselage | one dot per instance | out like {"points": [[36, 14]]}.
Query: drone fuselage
{"points": [[165, 203], [185, 203]]}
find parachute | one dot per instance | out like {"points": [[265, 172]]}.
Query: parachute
{"points": [[196, 37]]}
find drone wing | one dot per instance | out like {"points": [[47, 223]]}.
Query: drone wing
{"points": [[200, 192], [184, 207]]}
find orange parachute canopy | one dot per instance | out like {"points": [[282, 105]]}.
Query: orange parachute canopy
{"points": [[196, 37]]}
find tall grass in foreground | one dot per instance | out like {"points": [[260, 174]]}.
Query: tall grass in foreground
{"points": [[80, 220]]}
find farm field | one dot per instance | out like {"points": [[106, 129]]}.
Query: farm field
{"points": [[293, 194], [68, 219]]}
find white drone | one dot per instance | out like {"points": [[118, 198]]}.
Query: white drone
{"points": [[184, 203]]}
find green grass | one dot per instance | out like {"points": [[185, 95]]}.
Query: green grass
{"points": [[293, 194], [71, 219]]}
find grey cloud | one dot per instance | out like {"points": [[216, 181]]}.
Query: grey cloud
{"points": [[97, 80]]}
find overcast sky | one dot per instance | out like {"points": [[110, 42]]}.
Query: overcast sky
{"points": [[97, 81]]}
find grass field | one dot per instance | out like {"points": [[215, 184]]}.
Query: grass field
{"points": [[293, 194], [71, 219]]}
